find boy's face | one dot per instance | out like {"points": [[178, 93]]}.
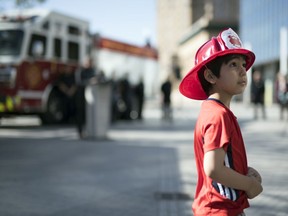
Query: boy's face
{"points": [[233, 78]]}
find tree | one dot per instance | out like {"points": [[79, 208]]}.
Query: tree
{"points": [[4, 4], [27, 3]]}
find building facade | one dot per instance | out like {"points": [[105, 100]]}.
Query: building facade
{"points": [[184, 25], [173, 18], [209, 18], [261, 24]]}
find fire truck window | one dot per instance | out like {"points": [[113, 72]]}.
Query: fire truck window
{"points": [[88, 50], [10, 42], [57, 48], [46, 25], [37, 39], [73, 30], [73, 51], [58, 27]]}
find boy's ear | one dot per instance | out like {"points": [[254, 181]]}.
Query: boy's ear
{"points": [[209, 76]]}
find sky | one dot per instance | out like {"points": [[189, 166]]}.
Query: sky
{"points": [[130, 21]]}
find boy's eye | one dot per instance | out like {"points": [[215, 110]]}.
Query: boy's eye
{"points": [[235, 64]]}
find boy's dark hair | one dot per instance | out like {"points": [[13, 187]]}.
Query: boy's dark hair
{"points": [[215, 67]]}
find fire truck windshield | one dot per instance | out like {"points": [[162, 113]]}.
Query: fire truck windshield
{"points": [[10, 42]]}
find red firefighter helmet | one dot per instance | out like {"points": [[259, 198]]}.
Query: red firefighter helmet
{"points": [[227, 42]]}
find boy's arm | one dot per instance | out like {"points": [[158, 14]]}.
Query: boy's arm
{"points": [[214, 168]]}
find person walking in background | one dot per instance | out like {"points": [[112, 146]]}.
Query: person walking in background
{"points": [[83, 77], [257, 94], [282, 94], [225, 182], [67, 87], [139, 94], [166, 89], [115, 98], [126, 97]]}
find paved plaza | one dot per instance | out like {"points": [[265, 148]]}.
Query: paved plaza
{"points": [[143, 168]]}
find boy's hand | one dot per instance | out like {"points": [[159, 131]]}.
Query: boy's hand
{"points": [[255, 188], [254, 173]]}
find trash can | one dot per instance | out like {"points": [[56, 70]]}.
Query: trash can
{"points": [[98, 110]]}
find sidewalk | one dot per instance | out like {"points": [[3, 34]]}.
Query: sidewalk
{"points": [[144, 168], [267, 149]]}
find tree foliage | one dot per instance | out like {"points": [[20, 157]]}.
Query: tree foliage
{"points": [[27, 3]]}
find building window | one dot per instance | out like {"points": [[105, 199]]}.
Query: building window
{"points": [[197, 10]]}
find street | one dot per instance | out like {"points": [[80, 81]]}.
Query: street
{"points": [[143, 168]]}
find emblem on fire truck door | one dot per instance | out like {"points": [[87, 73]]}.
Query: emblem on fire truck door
{"points": [[33, 76], [53, 67]]}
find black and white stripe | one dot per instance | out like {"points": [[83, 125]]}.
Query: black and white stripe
{"points": [[227, 192]]}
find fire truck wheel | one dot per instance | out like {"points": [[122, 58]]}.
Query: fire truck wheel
{"points": [[55, 112]]}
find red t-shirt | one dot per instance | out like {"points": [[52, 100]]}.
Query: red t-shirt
{"points": [[217, 127]]}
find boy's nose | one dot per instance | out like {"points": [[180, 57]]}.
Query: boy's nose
{"points": [[243, 71]]}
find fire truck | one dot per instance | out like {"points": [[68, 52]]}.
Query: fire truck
{"points": [[37, 45]]}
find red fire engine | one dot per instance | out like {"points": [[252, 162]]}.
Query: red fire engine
{"points": [[37, 45]]}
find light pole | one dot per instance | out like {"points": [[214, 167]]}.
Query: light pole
{"points": [[283, 50]]}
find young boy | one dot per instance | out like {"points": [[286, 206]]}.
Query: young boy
{"points": [[225, 182]]}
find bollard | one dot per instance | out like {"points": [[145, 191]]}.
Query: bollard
{"points": [[98, 108]]}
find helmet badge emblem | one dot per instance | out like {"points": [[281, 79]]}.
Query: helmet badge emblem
{"points": [[231, 39]]}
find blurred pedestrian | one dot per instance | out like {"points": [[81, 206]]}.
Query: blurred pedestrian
{"points": [[282, 94], [115, 98], [126, 97], [83, 77], [67, 87], [139, 94], [166, 89], [257, 94], [225, 182]]}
